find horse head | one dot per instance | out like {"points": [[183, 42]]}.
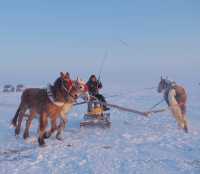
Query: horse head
{"points": [[64, 76], [60, 87], [80, 89], [163, 84]]}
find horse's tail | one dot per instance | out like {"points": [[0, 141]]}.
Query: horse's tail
{"points": [[15, 118]]}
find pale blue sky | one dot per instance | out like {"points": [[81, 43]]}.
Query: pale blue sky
{"points": [[40, 38]]}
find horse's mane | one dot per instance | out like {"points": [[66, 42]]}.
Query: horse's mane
{"points": [[55, 88], [57, 83], [169, 83]]}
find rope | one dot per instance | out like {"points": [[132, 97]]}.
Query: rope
{"points": [[164, 109], [154, 106]]}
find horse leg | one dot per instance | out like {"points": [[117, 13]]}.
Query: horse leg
{"points": [[28, 123], [52, 130], [62, 126], [20, 118], [178, 110], [180, 117], [42, 127], [184, 118], [185, 124]]}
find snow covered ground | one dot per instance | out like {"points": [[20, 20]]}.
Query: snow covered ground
{"points": [[133, 144]]}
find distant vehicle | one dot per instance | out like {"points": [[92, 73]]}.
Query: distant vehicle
{"points": [[20, 88], [8, 88]]}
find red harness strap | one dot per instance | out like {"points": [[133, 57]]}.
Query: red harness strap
{"points": [[69, 84], [86, 88]]}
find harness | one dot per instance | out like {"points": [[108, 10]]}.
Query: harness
{"points": [[68, 93], [51, 97], [73, 97], [69, 85], [169, 86]]}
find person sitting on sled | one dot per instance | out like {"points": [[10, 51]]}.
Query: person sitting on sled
{"points": [[94, 86]]}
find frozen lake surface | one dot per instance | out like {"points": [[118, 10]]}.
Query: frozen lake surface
{"points": [[133, 144]]}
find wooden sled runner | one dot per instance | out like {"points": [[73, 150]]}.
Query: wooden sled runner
{"points": [[97, 116]]}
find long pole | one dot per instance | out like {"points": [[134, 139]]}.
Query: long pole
{"points": [[103, 63], [118, 107], [146, 114], [127, 109]]}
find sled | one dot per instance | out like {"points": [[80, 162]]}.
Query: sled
{"points": [[97, 116]]}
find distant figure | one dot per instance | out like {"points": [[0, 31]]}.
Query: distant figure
{"points": [[176, 98], [20, 88], [8, 88], [94, 86]]}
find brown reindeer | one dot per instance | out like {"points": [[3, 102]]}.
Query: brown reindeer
{"points": [[37, 101], [176, 98]]}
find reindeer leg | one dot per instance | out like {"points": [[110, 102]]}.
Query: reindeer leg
{"points": [[42, 127]]}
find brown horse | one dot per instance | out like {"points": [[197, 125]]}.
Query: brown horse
{"points": [[176, 98], [38, 101]]}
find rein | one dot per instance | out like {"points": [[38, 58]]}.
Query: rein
{"points": [[73, 97], [68, 91], [63, 86], [154, 106]]}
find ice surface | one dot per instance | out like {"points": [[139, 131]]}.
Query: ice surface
{"points": [[133, 144]]}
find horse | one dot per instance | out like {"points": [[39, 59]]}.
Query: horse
{"points": [[66, 109], [176, 98], [38, 101]]}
